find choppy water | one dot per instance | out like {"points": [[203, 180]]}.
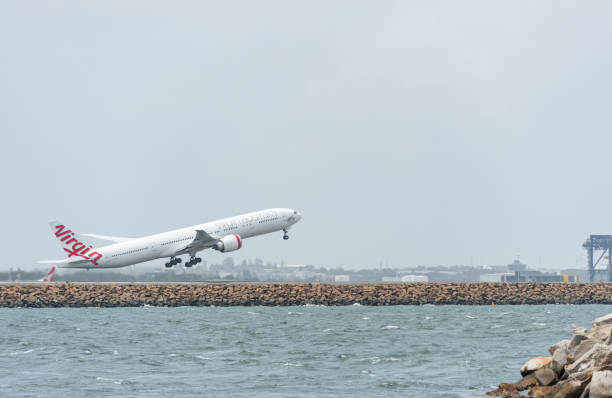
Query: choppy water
{"points": [[310, 351]]}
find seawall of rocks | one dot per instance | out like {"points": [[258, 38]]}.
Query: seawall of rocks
{"points": [[580, 367], [274, 294]]}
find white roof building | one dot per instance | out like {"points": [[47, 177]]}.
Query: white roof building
{"points": [[342, 278]]}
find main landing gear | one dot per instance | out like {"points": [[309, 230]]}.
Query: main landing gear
{"points": [[286, 235], [173, 261], [193, 261]]}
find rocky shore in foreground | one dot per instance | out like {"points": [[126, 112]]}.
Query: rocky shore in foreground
{"points": [[580, 367], [274, 294]]}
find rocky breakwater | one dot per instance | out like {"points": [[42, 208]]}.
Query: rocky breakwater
{"points": [[179, 294], [580, 367]]}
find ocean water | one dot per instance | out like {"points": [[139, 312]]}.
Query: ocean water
{"points": [[307, 351]]}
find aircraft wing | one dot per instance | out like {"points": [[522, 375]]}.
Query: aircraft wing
{"points": [[201, 241], [115, 239]]}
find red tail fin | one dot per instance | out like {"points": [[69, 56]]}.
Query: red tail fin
{"points": [[49, 277]]}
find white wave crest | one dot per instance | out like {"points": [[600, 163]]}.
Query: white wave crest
{"points": [[297, 365], [114, 381], [20, 352]]}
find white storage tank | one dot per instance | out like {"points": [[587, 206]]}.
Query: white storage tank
{"points": [[415, 278]]}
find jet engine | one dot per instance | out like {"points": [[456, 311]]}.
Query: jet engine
{"points": [[229, 243]]}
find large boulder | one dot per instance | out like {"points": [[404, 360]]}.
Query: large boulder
{"points": [[604, 320], [576, 340], [561, 344], [534, 364], [541, 391], [526, 382], [567, 389], [559, 359], [600, 333], [545, 376], [598, 355], [579, 345], [601, 384]]}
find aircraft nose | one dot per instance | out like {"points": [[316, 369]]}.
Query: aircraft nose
{"points": [[296, 216]]}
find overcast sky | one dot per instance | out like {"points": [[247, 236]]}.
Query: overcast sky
{"points": [[412, 133]]}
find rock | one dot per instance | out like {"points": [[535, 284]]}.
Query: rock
{"points": [[579, 368], [567, 389], [545, 376], [534, 364], [526, 382], [604, 320], [541, 391], [577, 339], [504, 390], [561, 344], [559, 359], [578, 330], [600, 333], [585, 392], [171, 294], [601, 384], [598, 354], [576, 351]]}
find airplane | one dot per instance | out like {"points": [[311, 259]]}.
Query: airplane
{"points": [[224, 235], [49, 277]]}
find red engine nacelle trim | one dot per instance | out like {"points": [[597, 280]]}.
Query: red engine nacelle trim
{"points": [[229, 243]]}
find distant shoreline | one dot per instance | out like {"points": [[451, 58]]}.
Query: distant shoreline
{"points": [[130, 294]]}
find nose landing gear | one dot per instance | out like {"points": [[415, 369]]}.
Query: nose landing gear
{"points": [[286, 235], [173, 261], [193, 261]]}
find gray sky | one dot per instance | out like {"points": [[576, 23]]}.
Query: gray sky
{"points": [[413, 133]]}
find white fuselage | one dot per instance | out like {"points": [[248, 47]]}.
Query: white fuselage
{"points": [[167, 244]]}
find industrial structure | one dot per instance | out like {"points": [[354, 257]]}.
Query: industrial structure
{"points": [[600, 246], [519, 272]]}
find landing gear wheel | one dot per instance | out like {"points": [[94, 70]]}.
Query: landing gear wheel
{"points": [[173, 261], [286, 237], [193, 261]]}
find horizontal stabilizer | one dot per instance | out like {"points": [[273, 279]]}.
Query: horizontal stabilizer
{"points": [[67, 263], [54, 261], [115, 239]]}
